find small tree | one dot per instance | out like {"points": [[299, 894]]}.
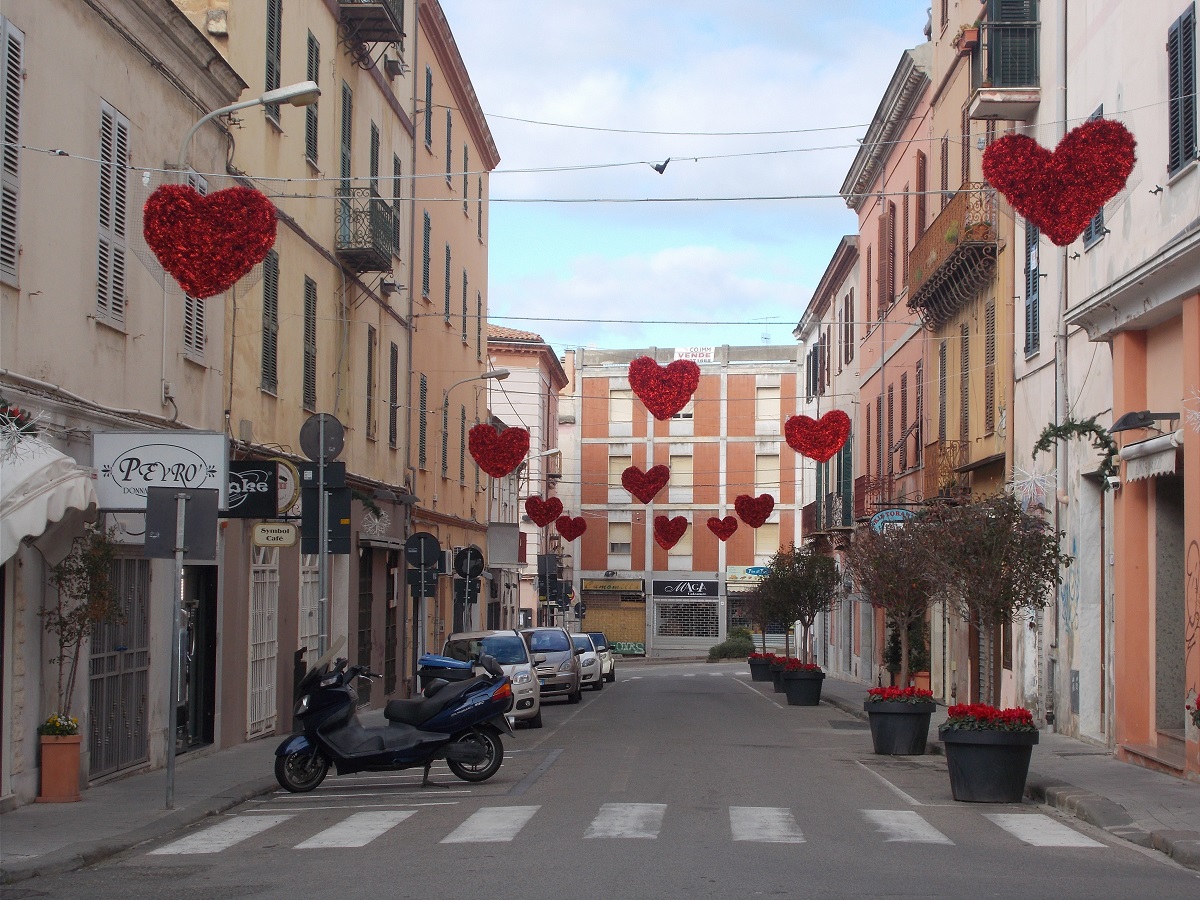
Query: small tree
{"points": [[86, 598], [799, 585], [753, 606], [898, 571]]}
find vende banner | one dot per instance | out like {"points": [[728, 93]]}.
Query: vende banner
{"points": [[128, 463]]}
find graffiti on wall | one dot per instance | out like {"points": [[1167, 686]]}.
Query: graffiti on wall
{"points": [[1191, 594]]}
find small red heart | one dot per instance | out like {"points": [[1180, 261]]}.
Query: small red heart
{"points": [[664, 391], [723, 528], [1061, 192], [208, 242], [644, 485], [570, 528], [543, 512], [754, 510], [497, 453], [667, 532], [820, 438]]}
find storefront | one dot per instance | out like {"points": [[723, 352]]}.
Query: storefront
{"points": [[616, 606], [687, 616]]}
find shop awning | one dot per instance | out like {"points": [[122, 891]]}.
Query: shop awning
{"points": [[44, 495], [1146, 459]]}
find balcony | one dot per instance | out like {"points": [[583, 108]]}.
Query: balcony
{"points": [[372, 21], [808, 520], [942, 478], [955, 257], [1004, 72], [872, 495], [835, 512], [365, 240]]}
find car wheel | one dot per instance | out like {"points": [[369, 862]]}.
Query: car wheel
{"points": [[576, 695], [599, 685], [536, 721], [611, 676]]}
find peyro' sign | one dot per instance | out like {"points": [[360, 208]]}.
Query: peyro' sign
{"points": [[130, 462], [274, 534]]}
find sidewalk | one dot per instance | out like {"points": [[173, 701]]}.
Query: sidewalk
{"points": [[1146, 807]]}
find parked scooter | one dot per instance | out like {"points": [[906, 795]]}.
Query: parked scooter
{"points": [[459, 722]]}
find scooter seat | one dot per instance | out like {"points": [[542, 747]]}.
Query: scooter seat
{"points": [[418, 711]]}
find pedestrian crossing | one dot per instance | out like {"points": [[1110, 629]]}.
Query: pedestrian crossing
{"points": [[615, 821]]}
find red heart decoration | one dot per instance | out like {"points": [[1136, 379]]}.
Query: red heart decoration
{"points": [[497, 453], [208, 242], [543, 512], [1061, 192], [665, 391], [570, 528], [667, 532], [754, 510], [820, 438], [644, 485], [723, 528]]}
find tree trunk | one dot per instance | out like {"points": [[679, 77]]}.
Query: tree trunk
{"points": [[903, 627], [806, 656]]}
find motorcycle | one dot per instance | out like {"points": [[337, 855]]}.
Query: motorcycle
{"points": [[460, 722]]}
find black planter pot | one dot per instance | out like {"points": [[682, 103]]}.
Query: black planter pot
{"points": [[803, 688], [988, 766], [899, 729], [760, 670], [777, 677]]}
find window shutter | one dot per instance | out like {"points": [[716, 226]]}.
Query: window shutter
{"points": [[270, 323], [194, 337], [479, 209], [942, 392], [447, 283], [965, 144], [423, 423], [370, 423], [890, 296], [879, 439], [944, 163], [393, 393], [114, 197], [922, 188], [850, 325], [449, 143], [867, 281], [478, 326], [347, 134], [989, 368], [312, 71], [904, 422], [891, 433], [11, 82], [374, 160], [904, 245], [1095, 228], [273, 51], [462, 445], [1033, 319], [464, 307], [466, 178], [426, 255], [1181, 89], [428, 106], [918, 434], [964, 384], [445, 441], [397, 186], [867, 458], [310, 344]]}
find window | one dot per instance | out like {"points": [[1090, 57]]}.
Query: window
{"points": [[371, 340], [879, 436], [766, 473], [423, 423], [766, 542], [270, 323], [310, 344], [617, 464], [620, 538], [766, 403], [1033, 280], [882, 287], [462, 445], [449, 143], [681, 472], [393, 393], [426, 255], [889, 296], [683, 547], [273, 50], [922, 187], [478, 326], [989, 367], [12, 46], [464, 307], [312, 73], [964, 383], [944, 15], [688, 411], [114, 216], [944, 164], [942, 392], [397, 186], [620, 405], [428, 107], [1095, 229], [374, 160], [447, 283], [1181, 87], [194, 332]]}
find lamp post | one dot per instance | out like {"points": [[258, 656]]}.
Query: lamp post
{"points": [[496, 374], [304, 93]]}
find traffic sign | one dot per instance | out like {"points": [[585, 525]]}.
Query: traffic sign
{"points": [[468, 562], [422, 550], [322, 425]]}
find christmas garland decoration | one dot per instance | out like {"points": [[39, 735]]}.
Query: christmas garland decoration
{"points": [[723, 528], [667, 532], [1061, 191], [497, 453], [1071, 428], [644, 485], [570, 528], [754, 511], [207, 242], [543, 512], [664, 391], [818, 439]]}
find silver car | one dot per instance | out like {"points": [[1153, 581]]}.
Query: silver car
{"points": [[556, 661], [589, 661], [508, 648], [608, 659]]}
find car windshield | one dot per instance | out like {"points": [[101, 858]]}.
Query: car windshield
{"points": [[582, 642], [599, 640], [506, 649], [550, 641]]}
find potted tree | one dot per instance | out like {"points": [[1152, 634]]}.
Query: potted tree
{"points": [[86, 598]]}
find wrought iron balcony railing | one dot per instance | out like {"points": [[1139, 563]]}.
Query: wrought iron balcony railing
{"points": [[808, 520], [872, 494], [366, 234], [942, 478], [836, 511], [371, 21], [955, 256]]}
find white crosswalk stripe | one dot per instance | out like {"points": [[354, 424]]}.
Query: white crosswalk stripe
{"points": [[904, 825], [491, 824], [358, 830], [627, 820], [765, 824], [221, 836], [1041, 831]]}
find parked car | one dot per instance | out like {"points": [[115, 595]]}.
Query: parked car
{"points": [[608, 659], [555, 661], [508, 648], [589, 661]]}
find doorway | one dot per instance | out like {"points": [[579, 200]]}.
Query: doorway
{"points": [[198, 659]]}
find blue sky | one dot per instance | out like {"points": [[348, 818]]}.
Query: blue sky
{"points": [[639, 83]]}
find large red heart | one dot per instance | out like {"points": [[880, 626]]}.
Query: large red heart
{"points": [[665, 391], [820, 438], [644, 485], [543, 512], [667, 532], [498, 453], [570, 528], [723, 528], [208, 242], [1061, 192], [754, 510]]}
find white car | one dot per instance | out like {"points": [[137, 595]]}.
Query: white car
{"points": [[508, 648], [589, 662], [608, 659]]}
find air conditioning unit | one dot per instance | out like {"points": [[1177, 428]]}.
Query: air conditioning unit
{"points": [[446, 563]]}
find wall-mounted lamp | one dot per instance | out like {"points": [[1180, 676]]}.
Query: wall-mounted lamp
{"points": [[1158, 189], [305, 93], [1074, 255], [1145, 419]]}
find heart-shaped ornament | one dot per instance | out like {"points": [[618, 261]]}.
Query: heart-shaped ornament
{"points": [[497, 453], [819, 438], [723, 528], [644, 485], [754, 511], [664, 390], [1061, 191], [570, 528], [207, 242], [667, 532], [543, 512]]}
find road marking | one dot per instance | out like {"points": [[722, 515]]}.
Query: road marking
{"points": [[689, 674], [491, 824], [1038, 830], [356, 831], [259, 812], [717, 674], [529, 780], [221, 836], [903, 796], [904, 825], [627, 820], [764, 824], [757, 692]]}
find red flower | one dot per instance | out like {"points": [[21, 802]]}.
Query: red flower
{"points": [[901, 695], [794, 665], [982, 717]]}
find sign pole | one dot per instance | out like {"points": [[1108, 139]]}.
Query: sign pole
{"points": [[322, 549], [181, 500]]}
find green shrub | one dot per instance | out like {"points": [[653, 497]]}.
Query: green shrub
{"points": [[732, 647]]}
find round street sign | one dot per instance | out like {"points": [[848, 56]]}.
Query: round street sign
{"points": [[310, 437], [468, 562], [422, 550]]}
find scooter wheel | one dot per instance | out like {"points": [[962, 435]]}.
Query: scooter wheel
{"points": [[481, 771], [301, 771]]}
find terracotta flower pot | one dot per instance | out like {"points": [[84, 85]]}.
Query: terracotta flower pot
{"points": [[60, 768]]}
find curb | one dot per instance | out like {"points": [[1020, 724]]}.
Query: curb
{"points": [[87, 853]]}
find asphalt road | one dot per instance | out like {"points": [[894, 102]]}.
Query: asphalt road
{"points": [[681, 780]]}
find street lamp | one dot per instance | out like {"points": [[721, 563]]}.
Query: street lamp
{"points": [[497, 374], [305, 93]]}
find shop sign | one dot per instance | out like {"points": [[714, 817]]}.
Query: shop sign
{"points": [[685, 588], [253, 489], [696, 354], [128, 463], [747, 575], [274, 534], [613, 585], [890, 518]]}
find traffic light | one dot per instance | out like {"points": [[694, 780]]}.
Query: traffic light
{"points": [[580, 609]]}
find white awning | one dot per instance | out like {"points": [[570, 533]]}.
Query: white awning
{"points": [[1156, 456], [45, 495]]}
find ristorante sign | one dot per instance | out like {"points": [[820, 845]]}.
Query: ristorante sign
{"points": [[128, 463], [685, 588]]}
